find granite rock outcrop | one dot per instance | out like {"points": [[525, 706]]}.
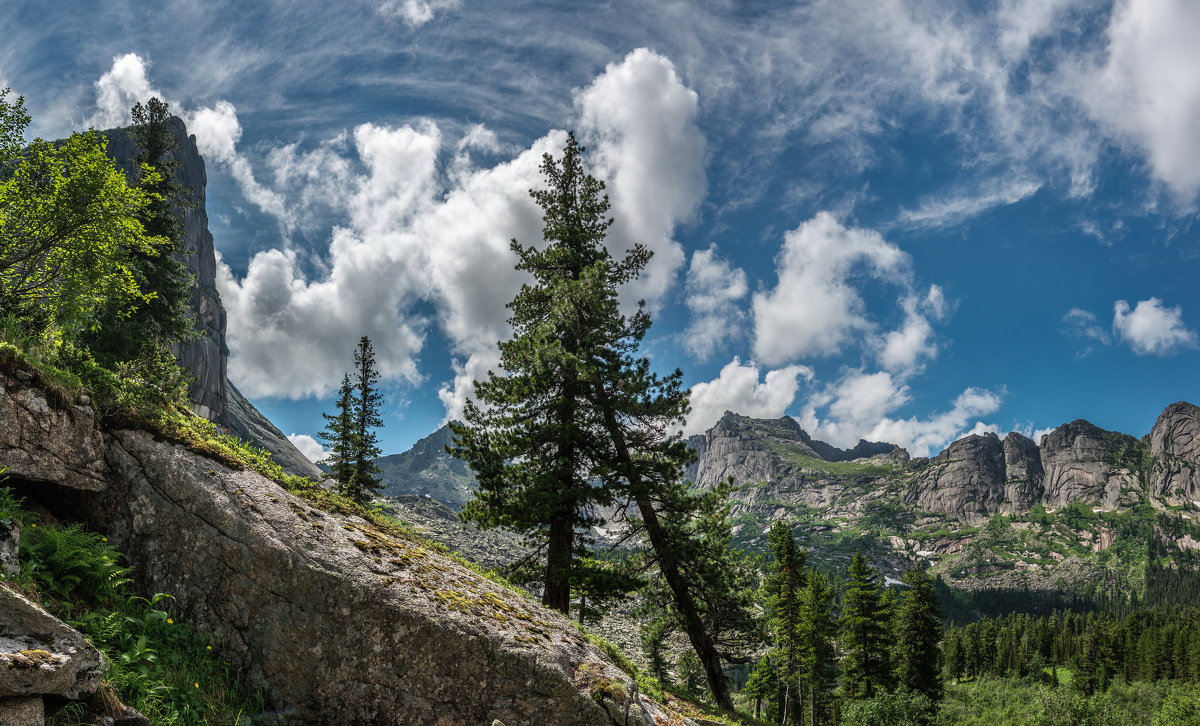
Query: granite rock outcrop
{"points": [[1081, 464], [1175, 454]]}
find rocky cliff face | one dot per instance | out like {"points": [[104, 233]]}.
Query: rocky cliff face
{"points": [[341, 622], [205, 357], [1080, 461], [966, 480], [212, 395], [1175, 451], [1022, 472]]}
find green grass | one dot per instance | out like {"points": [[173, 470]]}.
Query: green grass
{"points": [[838, 468]]}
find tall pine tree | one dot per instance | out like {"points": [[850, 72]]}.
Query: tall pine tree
{"points": [[538, 445], [818, 648], [866, 635], [364, 441], [918, 636], [784, 585]]}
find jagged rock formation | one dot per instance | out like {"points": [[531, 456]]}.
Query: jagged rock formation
{"points": [[1175, 448], [979, 476], [427, 470], [213, 395], [341, 622], [966, 480], [1080, 461], [204, 357], [1022, 472], [759, 450]]}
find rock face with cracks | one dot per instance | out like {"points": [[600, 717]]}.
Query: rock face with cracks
{"points": [[1079, 463], [48, 440]]}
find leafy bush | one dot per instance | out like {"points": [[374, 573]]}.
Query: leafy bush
{"points": [[905, 708]]}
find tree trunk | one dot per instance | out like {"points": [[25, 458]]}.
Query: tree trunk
{"points": [[557, 592], [668, 565]]}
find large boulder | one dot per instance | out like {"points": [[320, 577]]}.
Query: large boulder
{"points": [[1082, 464], [343, 623], [1175, 450], [45, 437]]}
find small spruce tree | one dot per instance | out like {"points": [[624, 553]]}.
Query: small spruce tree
{"points": [[339, 434]]}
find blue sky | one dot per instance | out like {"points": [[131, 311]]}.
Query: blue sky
{"points": [[896, 220]]}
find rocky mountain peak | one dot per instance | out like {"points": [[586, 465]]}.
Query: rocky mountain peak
{"points": [[1175, 454], [427, 470], [1079, 460]]}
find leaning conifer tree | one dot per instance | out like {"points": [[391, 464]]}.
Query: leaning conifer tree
{"points": [[577, 420]]}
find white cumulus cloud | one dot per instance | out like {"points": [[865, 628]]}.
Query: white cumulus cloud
{"points": [[816, 306], [123, 85], [713, 289], [1151, 328], [640, 120], [863, 405], [424, 224], [743, 389], [310, 447], [1146, 88]]}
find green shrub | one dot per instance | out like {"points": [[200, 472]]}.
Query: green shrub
{"points": [[906, 708]]}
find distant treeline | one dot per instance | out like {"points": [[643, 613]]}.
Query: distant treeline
{"points": [[1146, 645]]}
